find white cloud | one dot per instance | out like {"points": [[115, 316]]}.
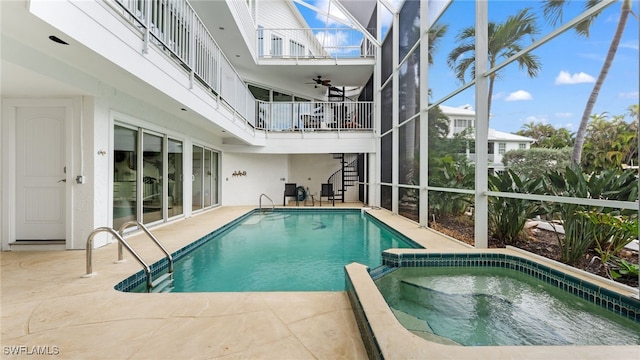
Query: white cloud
{"points": [[518, 96], [543, 119], [629, 95], [326, 6], [565, 115], [565, 78], [633, 45]]}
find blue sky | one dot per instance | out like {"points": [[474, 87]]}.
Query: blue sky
{"points": [[570, 65]]}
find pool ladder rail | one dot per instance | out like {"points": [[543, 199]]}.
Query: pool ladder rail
{"points": [[273, 205], [162, 283]]}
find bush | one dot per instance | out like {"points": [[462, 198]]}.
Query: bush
{"points": [[507, 216], [530, 163], [579, 229]]}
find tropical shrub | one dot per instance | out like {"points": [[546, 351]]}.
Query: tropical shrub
{"points": [[578, 230], [611, 234], [528, 163], [456, 175], [507, 216]]}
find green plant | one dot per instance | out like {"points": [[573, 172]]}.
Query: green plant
{"points": [[611, 234], [507, 216], [529, 163], [622, 268], [578, 229], [457, 175]]}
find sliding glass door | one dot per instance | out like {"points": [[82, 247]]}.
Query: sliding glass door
{"points": [[147, 176], [205, 178]]}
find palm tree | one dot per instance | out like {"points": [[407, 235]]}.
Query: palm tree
{"points": [[553, 12], [504, 41]]}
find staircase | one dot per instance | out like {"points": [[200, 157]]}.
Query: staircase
{"points": [[335, 94], [346, 176]]}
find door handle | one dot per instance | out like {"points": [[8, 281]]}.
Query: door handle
{"points": [[63, 180]]}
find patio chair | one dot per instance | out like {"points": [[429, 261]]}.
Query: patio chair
{"points": [[290, 191], [327, 191]]}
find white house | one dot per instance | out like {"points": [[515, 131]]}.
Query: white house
{"points": [[463, 118]]}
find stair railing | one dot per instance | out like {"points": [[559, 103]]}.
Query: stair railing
{"points": [[155, 240], [273, 205], [89, 253]]}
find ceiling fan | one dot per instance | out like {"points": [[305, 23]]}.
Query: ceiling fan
{"points": [[320, 81]]}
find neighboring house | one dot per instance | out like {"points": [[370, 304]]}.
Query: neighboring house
{"points": [[463, 118]]}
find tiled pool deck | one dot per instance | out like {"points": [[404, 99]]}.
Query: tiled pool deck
{"points": [[47, 307]]}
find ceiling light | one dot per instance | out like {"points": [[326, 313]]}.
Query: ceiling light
{"points": [[57, 40], [221, 27], [183, 109]]}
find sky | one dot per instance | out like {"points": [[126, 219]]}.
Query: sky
{"points": [[569, 66]]}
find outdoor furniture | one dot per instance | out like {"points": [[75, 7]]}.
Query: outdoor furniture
{"points": [[290, 191], [327, 191]]}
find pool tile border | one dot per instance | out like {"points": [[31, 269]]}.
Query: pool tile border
{"points": [[620, 304]]}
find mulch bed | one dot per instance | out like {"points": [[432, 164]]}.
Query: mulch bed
{"points": [[537, 241]]}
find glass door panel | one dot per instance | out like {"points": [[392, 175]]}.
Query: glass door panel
{"points": [[196, 188], [175, 175], [152, 166], [215, 160], [207, 178], [124, 175]]}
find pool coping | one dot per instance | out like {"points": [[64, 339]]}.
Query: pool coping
{"points": [[384, 336]]}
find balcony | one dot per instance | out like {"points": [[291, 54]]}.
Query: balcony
{"points": [[314, 116], [313, 44]]}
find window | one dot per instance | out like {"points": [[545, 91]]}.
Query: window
{"points": [[260, 41], [296, 49], [502, 148], [460, 125], [522, 146], [276, 45]]}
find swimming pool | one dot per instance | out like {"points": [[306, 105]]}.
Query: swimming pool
{"points": [[282, 250]]}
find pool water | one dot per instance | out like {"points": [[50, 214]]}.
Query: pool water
{"points": [[299, 250], [489, 306]]}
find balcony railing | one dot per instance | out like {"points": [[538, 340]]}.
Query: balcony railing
{"points": [[311, 116], [325, 43], [174, 26]]}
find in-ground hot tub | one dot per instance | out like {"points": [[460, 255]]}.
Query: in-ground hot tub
{"points": [[385, 336]]}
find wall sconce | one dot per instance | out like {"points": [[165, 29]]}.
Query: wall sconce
{"points": [[239, 173]]}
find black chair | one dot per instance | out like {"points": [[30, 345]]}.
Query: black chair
{"points": [[290, 191], [327, 191]]}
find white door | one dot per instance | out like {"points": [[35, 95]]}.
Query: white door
{"points": [[40, 173]]}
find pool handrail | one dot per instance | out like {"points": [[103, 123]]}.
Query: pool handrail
{"points": [[89, 253], [273, 205], [146, 230]]}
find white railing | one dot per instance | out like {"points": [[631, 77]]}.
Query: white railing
{"points": [[309, 116], [175, 27], [325, 43]]}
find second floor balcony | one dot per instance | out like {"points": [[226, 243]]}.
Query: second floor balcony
{"points": [[313, 44], [314, 116]]}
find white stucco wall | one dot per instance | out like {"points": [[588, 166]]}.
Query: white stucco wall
{"points": [[266, 174]]}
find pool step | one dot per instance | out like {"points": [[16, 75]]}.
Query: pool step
{"points": [[269, 216], [380, 271], [164, 283]]}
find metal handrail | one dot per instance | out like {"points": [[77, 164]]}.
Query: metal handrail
{"points": [[89, 252], [155, 240], [273, 205]]}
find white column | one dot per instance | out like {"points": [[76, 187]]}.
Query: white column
{"points": [[482, 127]]}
